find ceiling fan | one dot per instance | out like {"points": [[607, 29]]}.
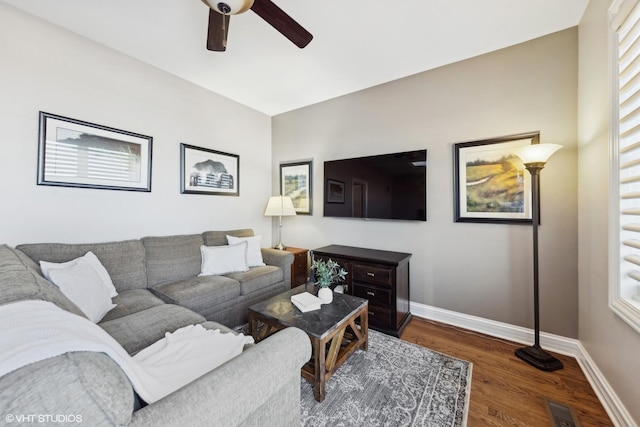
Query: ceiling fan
{"points": [[219, 21]]}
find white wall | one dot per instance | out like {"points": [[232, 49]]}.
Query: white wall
{"points": [[611, 343], [479, 269], [44, 67]]}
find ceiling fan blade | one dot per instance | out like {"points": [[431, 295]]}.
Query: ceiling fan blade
{"points": [[218, 30], [282, 22]]}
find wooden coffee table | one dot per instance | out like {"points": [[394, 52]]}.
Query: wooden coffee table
{"points": [[333, 330]]}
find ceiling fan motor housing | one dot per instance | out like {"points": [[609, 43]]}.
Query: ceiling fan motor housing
{"points": [[229, 7], [219, 11]]}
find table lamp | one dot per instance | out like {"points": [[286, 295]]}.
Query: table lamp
{"points": [[280, 206]]}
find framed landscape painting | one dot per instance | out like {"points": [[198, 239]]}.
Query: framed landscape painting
{"points": [[296, 182], [206, 171], [490, 182], [74, 153]]}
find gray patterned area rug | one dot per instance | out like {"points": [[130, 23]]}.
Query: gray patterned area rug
{"points": [[394, 383]]}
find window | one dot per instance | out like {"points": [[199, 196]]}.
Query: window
{"points": [[624, 292]]}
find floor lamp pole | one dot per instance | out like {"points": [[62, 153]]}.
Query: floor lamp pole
{"points": [[535, 355], [535, 216]]}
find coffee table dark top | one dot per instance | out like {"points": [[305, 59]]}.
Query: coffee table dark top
{"points": [[317, 323]]}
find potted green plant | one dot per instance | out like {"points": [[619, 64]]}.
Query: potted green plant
{"points": [[326, 273]]}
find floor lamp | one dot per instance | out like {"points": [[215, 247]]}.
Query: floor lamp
{"points": [[534, 158], [280, 206]]}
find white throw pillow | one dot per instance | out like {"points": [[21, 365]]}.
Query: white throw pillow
{"points": [[217, 260], [82, 284], [93, 260], [254, 252]]}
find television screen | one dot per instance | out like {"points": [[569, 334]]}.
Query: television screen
{"points": [[386, 186]]}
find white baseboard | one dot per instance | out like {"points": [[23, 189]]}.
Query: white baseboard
{"points": [[568, 346], [616, 410]]}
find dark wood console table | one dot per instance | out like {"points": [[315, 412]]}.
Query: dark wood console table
{"points": [[382, 277]]}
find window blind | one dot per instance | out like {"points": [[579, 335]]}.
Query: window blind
{"points": [[627, 26]]}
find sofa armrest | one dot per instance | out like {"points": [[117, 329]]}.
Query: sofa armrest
{"points": [[234, 391], [282, 259]]}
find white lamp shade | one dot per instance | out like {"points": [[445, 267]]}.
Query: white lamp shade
{"points": [[536, 153], [236, 6], [280, 206]]}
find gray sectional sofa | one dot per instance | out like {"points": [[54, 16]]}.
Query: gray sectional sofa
{"points": [[159, 291]]}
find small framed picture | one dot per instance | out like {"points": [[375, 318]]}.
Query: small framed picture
{"points": [[73, 153], [206, 171], [296, 182], [491, 184], [335, 191]]}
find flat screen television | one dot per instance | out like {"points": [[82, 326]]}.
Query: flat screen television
{"points": [[385, 186]]}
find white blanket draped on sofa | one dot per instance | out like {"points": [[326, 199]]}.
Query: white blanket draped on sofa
{"points": [[31, 331]]}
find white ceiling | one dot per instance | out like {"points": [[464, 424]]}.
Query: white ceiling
{"points": [[357, 43]]}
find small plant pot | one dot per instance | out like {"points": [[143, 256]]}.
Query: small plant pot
{"points": [[326, 295]]}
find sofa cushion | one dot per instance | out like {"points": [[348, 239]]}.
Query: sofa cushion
{"points": [[18, 282], [237, 314], [219, 238], [172, 257], [132, 301], [257, 278], [10, 257], [199, 293], [218, 260], [254, 250], [92, 260], [124, 260], [139, 330], [81, 283], [88, 385]]}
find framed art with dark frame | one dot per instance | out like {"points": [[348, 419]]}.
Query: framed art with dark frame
{"points": [[491, 184], [206, 171], [74, 153], [296, 182], [335, 191]]}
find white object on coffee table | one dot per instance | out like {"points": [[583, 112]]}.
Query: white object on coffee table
{"points": [[326, 295]]}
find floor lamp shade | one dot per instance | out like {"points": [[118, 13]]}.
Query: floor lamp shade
{"points": [[280, 206], [536, 153], [534, 158]]}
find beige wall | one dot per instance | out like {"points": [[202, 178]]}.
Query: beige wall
{"points": [[478, 269], [46, 68], [611, 343]]}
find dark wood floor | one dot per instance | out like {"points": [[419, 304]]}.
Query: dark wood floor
{"points": [[505, 391]]}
